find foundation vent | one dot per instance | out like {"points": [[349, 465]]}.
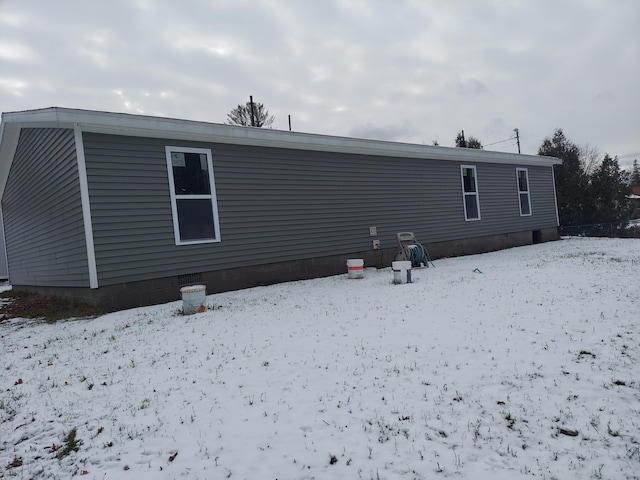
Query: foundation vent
{"points": [[189, 279]]}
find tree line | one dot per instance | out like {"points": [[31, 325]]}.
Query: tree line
{"points": [[589, 191]]}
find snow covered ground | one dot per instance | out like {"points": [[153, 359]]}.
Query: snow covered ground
{"points": [[523, 363]]}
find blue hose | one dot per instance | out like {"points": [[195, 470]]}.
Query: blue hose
{"points": [[419, 255]]}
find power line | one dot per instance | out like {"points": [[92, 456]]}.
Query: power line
{"points": [[504, 147], [501, 141], [515, 137]]}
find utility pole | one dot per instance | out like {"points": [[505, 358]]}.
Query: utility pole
{"points": [[463, 142], [253, 118], [517, 138], [289, 122]]}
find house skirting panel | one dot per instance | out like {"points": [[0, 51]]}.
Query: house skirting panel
{"points": [[161, 290]]}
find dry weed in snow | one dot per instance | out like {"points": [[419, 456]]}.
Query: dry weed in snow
{"points": [[522, 363]]}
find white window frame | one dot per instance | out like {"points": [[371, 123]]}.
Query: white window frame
{"points": [[465, 193], [526, 192], [212, 196]]}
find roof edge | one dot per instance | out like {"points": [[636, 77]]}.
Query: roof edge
{"points": [[178, 129]]}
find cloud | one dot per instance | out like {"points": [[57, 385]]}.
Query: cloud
{"points": [[383, 132], [376, 69], [472, 88], [13, 52], [605, 96], [13, 86]]}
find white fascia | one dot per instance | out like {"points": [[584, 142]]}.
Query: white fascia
{"points": [[176, 129], [86, 207]]}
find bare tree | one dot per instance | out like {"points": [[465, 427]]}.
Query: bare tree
{"points": [[589, 158], [241, 115]]}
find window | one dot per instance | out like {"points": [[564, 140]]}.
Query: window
{"points": [[193, 195], [470, 192], [522, 176]]}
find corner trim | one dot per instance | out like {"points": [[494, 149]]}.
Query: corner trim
{"points": [[86, 207], [555, 195]]}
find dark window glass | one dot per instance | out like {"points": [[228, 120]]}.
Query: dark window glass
{"points": [[523, 184], [524, 204], [190, 173], [195, 218], [471, 203], [469, 180]]}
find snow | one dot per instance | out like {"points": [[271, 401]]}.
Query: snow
{"points": [[513, 364]]}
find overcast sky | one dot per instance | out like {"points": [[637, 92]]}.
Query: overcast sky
{"points": [[404, 70]]}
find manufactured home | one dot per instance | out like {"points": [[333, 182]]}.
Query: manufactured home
{"points": [[121, 210]]}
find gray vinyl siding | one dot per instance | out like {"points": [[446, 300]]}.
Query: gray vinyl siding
{"points": [[44, 228], [499, 201], [281, 204]]}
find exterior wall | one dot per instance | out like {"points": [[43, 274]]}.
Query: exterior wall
{"points": [[282, 205], [42, 212], [160, 290], [490, 243]]}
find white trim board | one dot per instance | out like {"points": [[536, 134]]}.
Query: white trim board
{"points": [[86, 208], [170, 128]]}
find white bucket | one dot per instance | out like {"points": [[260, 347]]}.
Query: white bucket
{"points": [[193, 299], [355, 268], [401, 272]]}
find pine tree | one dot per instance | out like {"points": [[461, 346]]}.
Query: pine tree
{"points": [[635, 174], [609, 192], [571, 181], [471, 142]]}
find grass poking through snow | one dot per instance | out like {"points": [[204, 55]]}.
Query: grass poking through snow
{"points": [[48, 308]]}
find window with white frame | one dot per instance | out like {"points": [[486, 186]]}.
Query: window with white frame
{"points": [[193, 195], [470, 192], [522, 175]]}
